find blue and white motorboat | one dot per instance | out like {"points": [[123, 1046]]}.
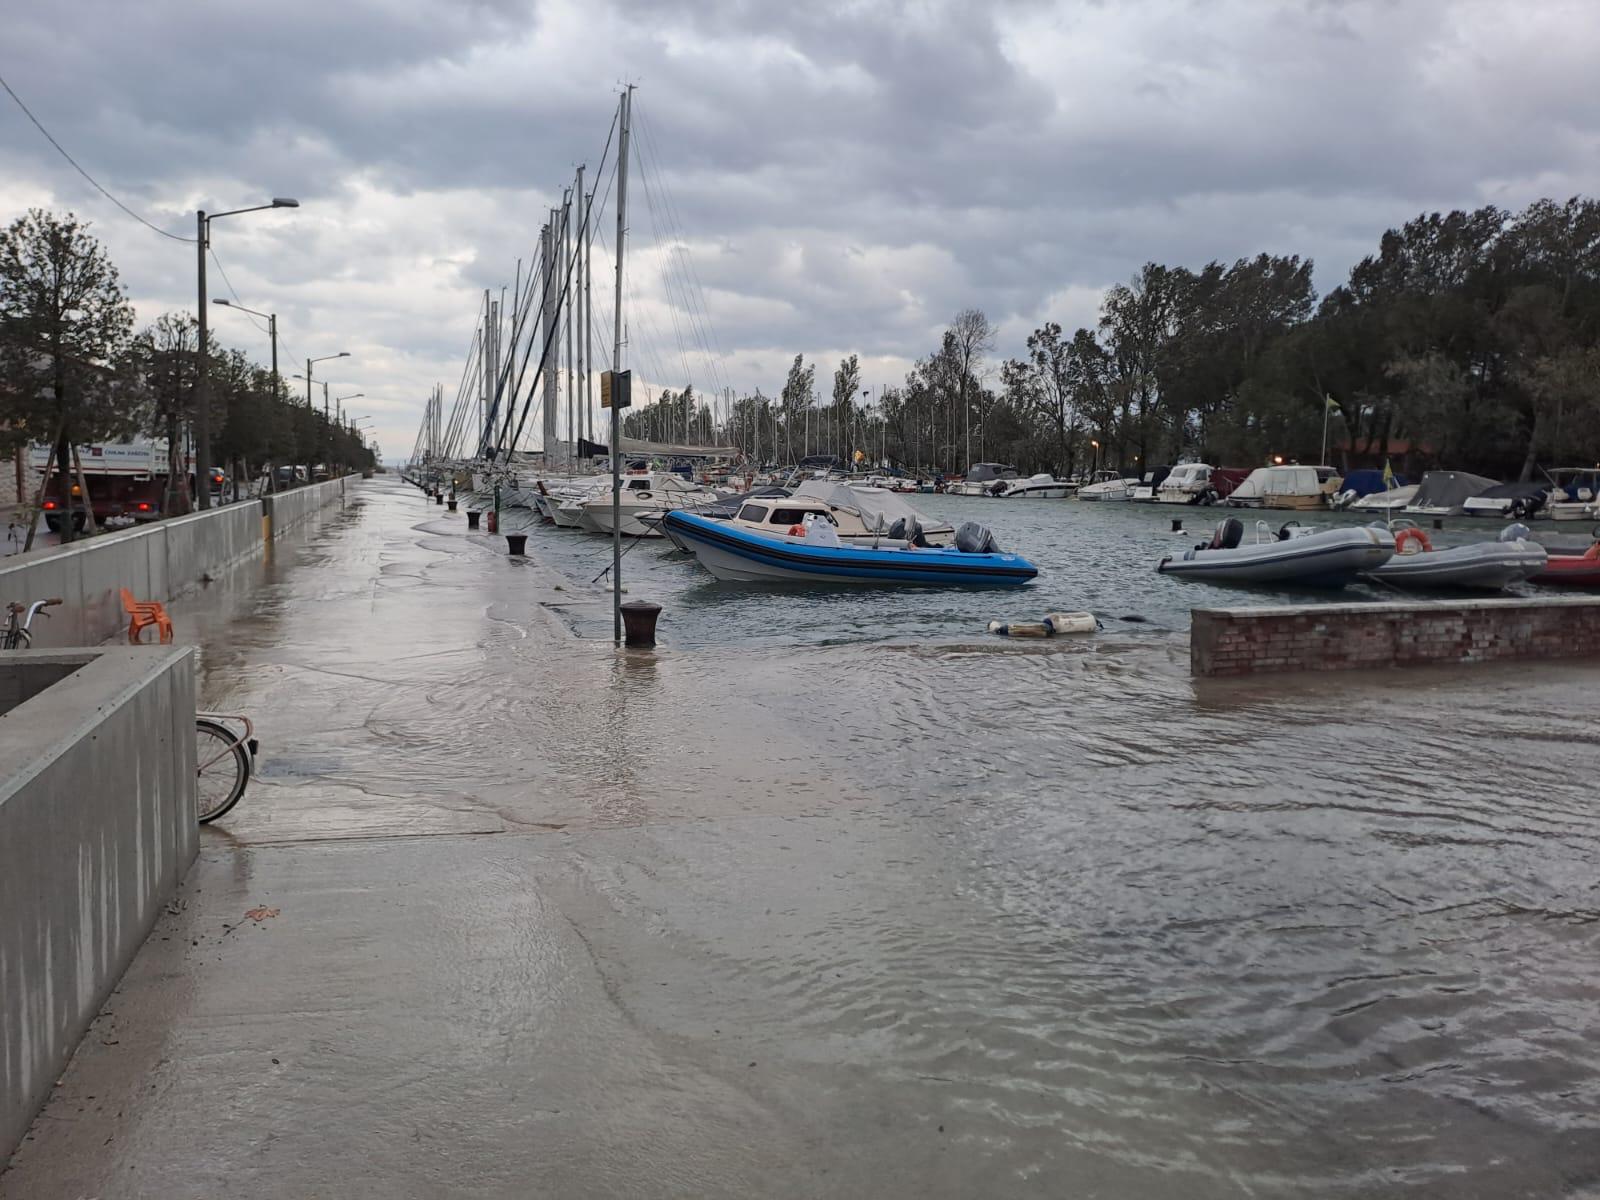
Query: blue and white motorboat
{"points": [[732, 553], [1294, 557]]}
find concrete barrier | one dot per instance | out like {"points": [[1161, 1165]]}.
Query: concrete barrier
{"points": [[161, 561], [1343, 637], [284, 510], [97, 828]]}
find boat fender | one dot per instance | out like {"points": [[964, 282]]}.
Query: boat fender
{"points": [[641, 495], [1037, 629], [1406, 536], [1071, 622], [1515, 533]]}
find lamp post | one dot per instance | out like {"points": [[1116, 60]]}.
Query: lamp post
{"points": [[272, 333], [202, 410], [309, 363], [338, 405]]}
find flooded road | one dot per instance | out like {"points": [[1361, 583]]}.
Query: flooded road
{"points": [[798, 915]]}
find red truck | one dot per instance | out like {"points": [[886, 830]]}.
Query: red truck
{"points": [[127, 484]]}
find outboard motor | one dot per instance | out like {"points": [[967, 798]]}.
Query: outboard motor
{"points": [[1515, 533], [1229, 534], [909, 531], [972, 538]]}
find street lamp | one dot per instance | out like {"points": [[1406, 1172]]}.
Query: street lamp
{"points": [[202, 413], [338, 404], [272, 332]]}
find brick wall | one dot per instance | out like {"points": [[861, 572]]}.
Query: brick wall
{"points": [[1345, 637]]}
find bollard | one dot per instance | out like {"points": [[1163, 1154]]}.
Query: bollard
{"points": [[516, 543], [472, 518], [450, 504], [639, 623], [1177, 524], [438, 497], [1438, 522]]}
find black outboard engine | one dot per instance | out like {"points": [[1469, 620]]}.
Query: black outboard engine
{"points": [[909, 531], [972, 538], [1229, 534]]}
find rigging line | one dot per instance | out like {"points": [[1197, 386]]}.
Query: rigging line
{"points": [[666, 280], [702, 319], [248, 316], [49, 137]]}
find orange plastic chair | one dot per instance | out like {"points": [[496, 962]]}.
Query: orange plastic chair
{"points": [[144, 613]]}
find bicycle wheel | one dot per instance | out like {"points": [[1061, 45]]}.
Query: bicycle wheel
{"points": [[222, 767]]}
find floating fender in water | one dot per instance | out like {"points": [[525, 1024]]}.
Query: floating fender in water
{"points": [[1071, 622], [1053, 625]]}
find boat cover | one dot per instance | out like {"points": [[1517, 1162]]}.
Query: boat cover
{"points": [[872, 503], [1449, 490], [1365, 482]]}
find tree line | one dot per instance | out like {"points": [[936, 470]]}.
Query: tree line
{"points": [[1469, 340], [74, 370]]}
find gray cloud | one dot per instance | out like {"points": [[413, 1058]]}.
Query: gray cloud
{"points": [[847, 174]]}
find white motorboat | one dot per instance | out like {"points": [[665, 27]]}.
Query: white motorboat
{"points": [[1517, 501], [858, 514], [1445, 493], [1299, 488], [1392, 500], [1186, 483], [1575, 494], [1108, 485], [1043, 486], [1481, 566], [1293, 557], [983, 479], [654, 493]]}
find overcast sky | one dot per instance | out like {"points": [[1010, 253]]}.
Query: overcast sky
{"points": [[846, 176]]}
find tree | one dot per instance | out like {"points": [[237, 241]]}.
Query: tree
{"points": [[968, 339], [846, 383], [167, 355], [65, 331], [798, 395]]}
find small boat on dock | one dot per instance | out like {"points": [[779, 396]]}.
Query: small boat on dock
{"points": [[1481, 566], [736, 554], [1108, 486], [1293, 557]]}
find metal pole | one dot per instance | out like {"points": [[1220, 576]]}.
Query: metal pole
{"points": [[272, 331], [616, 367], [1326, 405], [566, 317], [577, 295], [202, 409], [588, 315]]}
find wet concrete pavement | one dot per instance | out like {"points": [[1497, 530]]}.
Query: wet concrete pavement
{"points": [[538, 918]]}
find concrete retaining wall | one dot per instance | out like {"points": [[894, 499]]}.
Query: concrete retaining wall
{"points": [[285, 510], [1342, 637], [160, 561], [97, 828]]}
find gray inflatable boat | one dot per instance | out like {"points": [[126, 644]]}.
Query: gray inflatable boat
{"points": [[1294, 557], [1482, 566]]}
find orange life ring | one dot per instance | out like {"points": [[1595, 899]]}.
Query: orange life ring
{"points": [[1411, 535], [797, 531]]}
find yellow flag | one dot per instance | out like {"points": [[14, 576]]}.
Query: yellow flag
{"points": [[1388, 475], [1333, 405]]}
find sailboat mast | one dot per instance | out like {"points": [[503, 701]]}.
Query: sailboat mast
{"points": [[578, 289], [616, 368]]}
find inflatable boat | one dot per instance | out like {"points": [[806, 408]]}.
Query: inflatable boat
{"points": [[1294, 557]]}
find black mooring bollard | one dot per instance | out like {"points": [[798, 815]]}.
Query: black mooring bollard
{"points": [[472, 518], [516, 543], [1438, 523], [438, 497], [639, 623], [1177, 524], [450, 504]]}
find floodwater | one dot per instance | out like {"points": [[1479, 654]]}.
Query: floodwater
{"points": [[933, 916], [1091, 556]]}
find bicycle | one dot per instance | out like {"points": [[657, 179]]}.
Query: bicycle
{"points": [[224, 762], [17, 634]]}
